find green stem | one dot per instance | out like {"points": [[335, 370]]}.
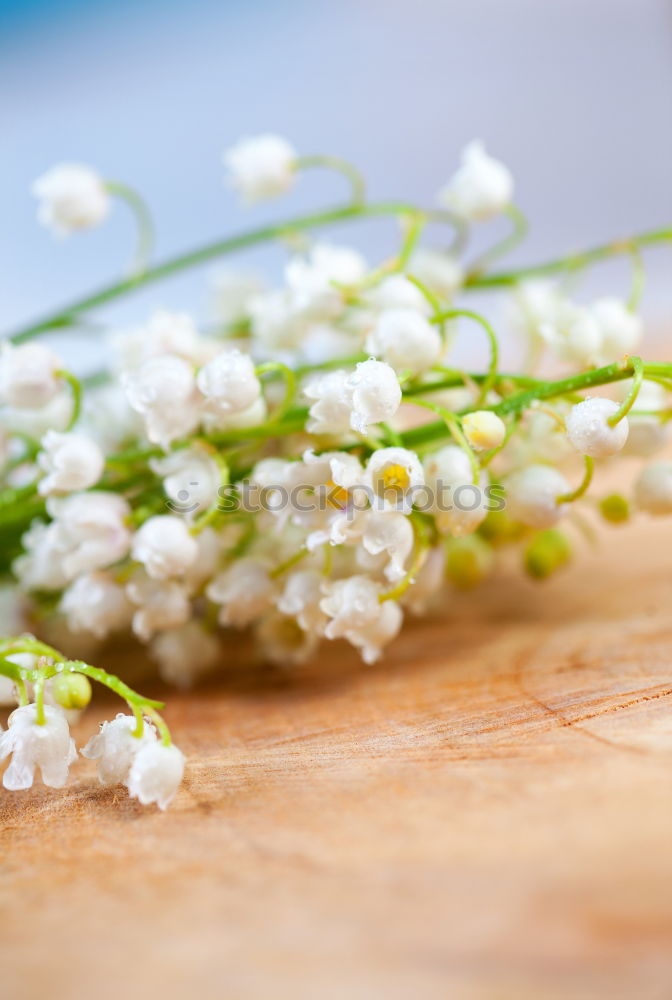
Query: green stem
{"points": [[351, 173], [203, 254], [494, 346], [452, 422], [571, 261], [76, 389], [290, 386], [145, 224], [38, 685], [583, 485], [505, 246], [629, 401], [164, 732]]}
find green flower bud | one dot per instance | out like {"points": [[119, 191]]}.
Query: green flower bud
{"points": [[547, 552], [615, 509], [71, 690], [468, 561], [499, 529]]}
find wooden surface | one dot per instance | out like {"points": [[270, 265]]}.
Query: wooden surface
{"points": [[485, 814]]}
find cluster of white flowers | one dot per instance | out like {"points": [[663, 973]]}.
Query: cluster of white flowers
{"points": [[313, 464]]}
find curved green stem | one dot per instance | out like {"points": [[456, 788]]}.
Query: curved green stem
{"points": [[145, 224], [583, 485], [494, 346], [38, 685], [204, 254], [571, 261], [343, 167], [76, 389], [510, 241], [629, 401], [452, 422], [164, 731], [290, 386]]}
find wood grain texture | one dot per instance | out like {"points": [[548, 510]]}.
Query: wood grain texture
{"points": [[485, 814]]}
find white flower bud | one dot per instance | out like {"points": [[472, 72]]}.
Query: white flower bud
{"points": [[312, 280], [72, 462], [40, 566], [92, 529], [245, 591], [483, 430], [185, 654], [648, 433], [438, 271], [28, 378], [261, 167], [72, 196], [95, 603], [229, 383], [405, 340], [653, 489], [161, 604], [481, 188], [375, 394], [574, 334], [427, 586], [283, 641], [331, 403], [155, 774], [232, 293], [164, 546], [164, 391], [459, 504], [301, 600], [191, 478], [397, 292], [588, 429], [532, 495], [48, 746], [357, 614], [621, 329], [115, 748]]}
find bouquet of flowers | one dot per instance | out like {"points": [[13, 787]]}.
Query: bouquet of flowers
{"points": [[310, 466]]}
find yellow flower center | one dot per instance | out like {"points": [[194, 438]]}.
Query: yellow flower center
{"points": [[394, 478]]}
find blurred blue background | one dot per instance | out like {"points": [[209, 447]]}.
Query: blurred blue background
{"points": [[573, 94]]}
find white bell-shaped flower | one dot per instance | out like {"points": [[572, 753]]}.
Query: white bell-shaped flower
{"points": [[40, 566], [440, 272], [72, 196], [163, 390], [28, 375], [229, 384], [115, 747], [164, 546], [185, 654], [312, 280], [155, 774], [231, 293], [648, 433], [589, 431], [261, 166], [396, 291], [356, 614], [480, 189], [573, 334], [421, 597], [653, 489], [160, 604], [406, 340], [392, 533], [244, 590], [191, 479], [282, 640], [93, 530], [96, 603], [330, 401], [48, 747], [393, 476], [458, 503], [71, 462], [375, 394], [621, 328], [301, 598], [532, 496]]}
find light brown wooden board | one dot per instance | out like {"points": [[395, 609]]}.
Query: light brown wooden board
{"points": [[486, 813]]}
